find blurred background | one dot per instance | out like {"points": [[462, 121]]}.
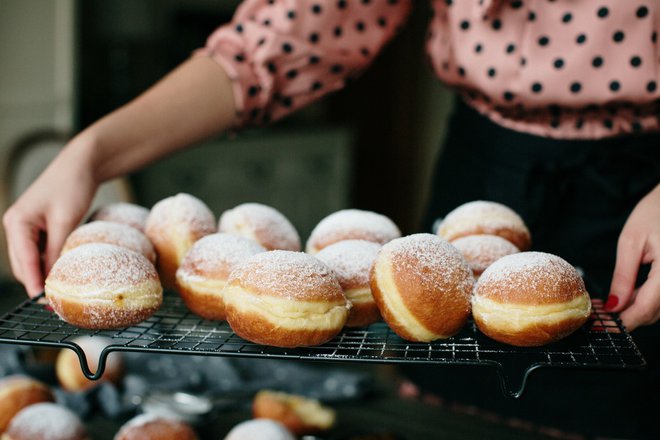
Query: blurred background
{"points": [[66, 63]]}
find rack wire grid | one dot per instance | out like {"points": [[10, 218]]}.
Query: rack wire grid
{"points": [[602, 343]]}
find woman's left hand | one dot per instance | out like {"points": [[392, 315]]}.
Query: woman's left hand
{"points": [[639, 243]]}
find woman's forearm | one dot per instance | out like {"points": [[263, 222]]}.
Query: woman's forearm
{"points": [[191, 103]]}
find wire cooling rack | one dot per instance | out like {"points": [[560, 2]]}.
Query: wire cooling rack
{"points": [[602, 343]]}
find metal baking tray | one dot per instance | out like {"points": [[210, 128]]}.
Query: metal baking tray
{"points": [[602, 343]]}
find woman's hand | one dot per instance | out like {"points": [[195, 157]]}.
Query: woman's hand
{"points": [[37, 224], [639, 243]]}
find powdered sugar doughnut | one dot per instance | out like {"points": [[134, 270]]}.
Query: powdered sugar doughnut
{"points": [[480, 251], [102, 286], [285, 299], [490, 218], [173, 225], [152, 427], [205, 269], [351, 262], [111, 233], [530, 299], [263, 224], [300, 415], [18, 392], [352, 224], [129, 214], [259, 429], [422, 286], [45, 421], [69, 373]]}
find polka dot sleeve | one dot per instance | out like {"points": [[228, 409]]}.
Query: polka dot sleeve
{"points": [[284, 54]]}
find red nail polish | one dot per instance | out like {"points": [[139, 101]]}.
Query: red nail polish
{"points": [[612, 302]]}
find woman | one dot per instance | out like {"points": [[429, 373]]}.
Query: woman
{"points": [[557, 120]]}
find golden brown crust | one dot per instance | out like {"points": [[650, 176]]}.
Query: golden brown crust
{"points": [[206, 305], [167, 264], [17, 392], [98, 317], [388, 315], [532, 336], [254, 328], [363, 314], [284, 408]]}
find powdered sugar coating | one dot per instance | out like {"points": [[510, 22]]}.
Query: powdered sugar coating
{"points": [[485, 217], [262, 223], [292, 275], [182, 211], [103, 267], [46, 421], [129, 214], [216, 255], [352, 224], [259, 429], [531, 277], [351, 261], [431, 261], [480, 251], [111, 233]]}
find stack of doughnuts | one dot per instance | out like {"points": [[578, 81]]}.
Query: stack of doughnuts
{"points": [[205, 269]]}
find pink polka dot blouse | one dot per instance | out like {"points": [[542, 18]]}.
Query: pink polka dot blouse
{"points": [[579, 69]]}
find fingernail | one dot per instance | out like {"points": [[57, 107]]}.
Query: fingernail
{"points": [[612, 302]]}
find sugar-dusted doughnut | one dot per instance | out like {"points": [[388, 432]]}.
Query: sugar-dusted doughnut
{"points": [[530, 299], [69, 373], [480, 251], [173, 226], [300, 415], [351, 261], [102, 286], [110, 233], [263, 224], [259, 429], [129, 214], [422, 286], [205, 269], [484, 217], [18, 392], [285, 299], [45, 421], [352, 224], [155, 427]]}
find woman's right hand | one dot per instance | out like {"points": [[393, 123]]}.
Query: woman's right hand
{"points": [[37, 224]]}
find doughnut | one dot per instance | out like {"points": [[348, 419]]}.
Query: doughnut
{"points": [[422, 286], [352, 224], [351, 261], [260, 429], [111, 233], [530, 299], [129, 214], [480, 251], [154, 427], [298, 414], [173, 225], [18, 392], [490, 218], [285, 299], [205, 269], [69, 373], [102, 286], [45, 421], [263, 224]]}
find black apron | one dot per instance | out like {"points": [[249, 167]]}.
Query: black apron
{"points": [[575, 197]]}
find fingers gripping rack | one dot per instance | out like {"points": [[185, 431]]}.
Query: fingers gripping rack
{"points": [[602, 343]]}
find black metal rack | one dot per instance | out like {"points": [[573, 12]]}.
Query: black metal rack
{"points": [[602, 343]]}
